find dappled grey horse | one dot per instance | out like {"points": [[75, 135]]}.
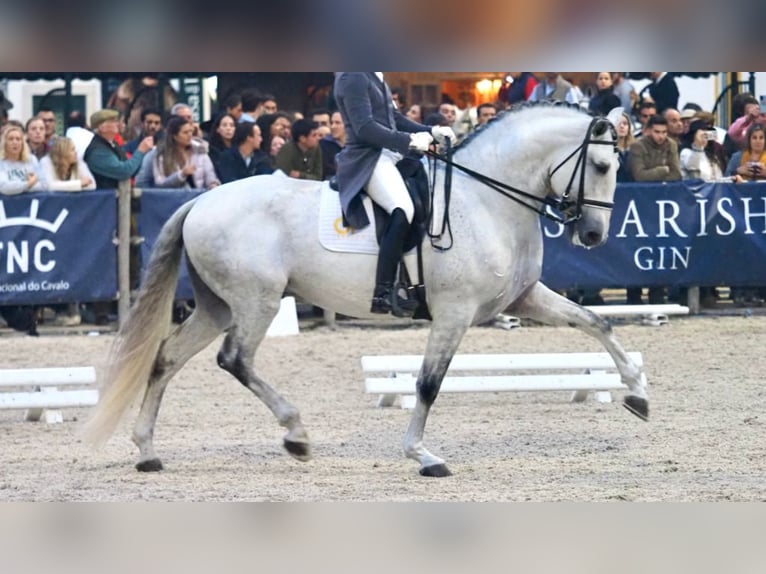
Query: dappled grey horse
{"points": [[251, 241]]}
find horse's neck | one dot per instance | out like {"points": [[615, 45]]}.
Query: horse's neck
{"points": [[518, 163]]}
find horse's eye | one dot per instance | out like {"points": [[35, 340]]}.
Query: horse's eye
{"points": [[602, 168]]}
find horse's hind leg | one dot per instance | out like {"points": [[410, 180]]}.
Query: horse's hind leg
{"points": [[542, 304], [210, 317], [236, 356]]}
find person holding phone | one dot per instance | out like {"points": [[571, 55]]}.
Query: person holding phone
{"points": [[753, 114], [750, 164], [701, 155]]}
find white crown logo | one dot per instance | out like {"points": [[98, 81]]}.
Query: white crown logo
{"points": [[32, 220]]}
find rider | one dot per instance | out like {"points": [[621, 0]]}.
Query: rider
{"points": [[377, 136]]}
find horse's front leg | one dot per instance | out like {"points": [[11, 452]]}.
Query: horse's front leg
{"points": [[443, 341], [544, 305]]}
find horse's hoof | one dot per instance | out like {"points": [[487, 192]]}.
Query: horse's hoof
{"points": [[638, 406], [435, 470], [151, 465], [298, 450]]}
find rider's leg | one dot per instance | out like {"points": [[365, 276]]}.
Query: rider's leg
{"points": [[387, 189]]}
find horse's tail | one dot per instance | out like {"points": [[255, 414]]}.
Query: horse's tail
{"points": [[135, 349]]}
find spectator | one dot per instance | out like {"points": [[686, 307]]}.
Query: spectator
{"points": [[663, 90], [322, 118], [185, 111], [605, 99], [232, 105], [624, 90], [277, 142], [49, 119], [19, 169], [750, 163], [332, 144], [752, 114], [245, 157], [484, 113], [221, 137], [78, 132], [151, 126], [302, 158], [106, 160], [397, 95], [449, 111], [625, 139], [521, 88], [646, 110], [268, 105], [38, 145], [687, 116], [415, 113], [675, 124], [62, 170], [654, 157], [554, 87], [701, 155], [179, 164], [273, 125], [251, 106]]}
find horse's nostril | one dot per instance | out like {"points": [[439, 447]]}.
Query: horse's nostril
{"points": [[592, 238]]}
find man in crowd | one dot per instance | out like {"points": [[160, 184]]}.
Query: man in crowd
{"points": [[653, 157], [244, 158], [332, 144], [151, 126], [484, 113], [301, 157]]}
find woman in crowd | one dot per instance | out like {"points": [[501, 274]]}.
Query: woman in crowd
{"points": [[272, 125], [415, 113], [750, 164], [221, 136], [63, 171], [276, 144], [605, 99], [625, 139], [35, 129], [19, 169], [178, 164], [701, 156]]}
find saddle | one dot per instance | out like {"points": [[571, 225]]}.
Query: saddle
{"points": [[415, 178]]}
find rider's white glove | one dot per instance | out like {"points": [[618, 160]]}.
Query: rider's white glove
{"points": [[441, 133], [420, 141]]}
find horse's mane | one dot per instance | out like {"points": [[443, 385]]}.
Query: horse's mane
{"points": [[515, 109]]}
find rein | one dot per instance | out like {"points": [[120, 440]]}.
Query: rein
{"points": [[568, 211]]}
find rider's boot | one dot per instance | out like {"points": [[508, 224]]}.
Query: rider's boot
{"points": [[385, 298]]}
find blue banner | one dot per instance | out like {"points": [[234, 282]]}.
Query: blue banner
{"points": [[686, 233], [157, 205], [58, 247]]}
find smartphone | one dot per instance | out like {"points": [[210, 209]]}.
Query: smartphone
{"points": [[763, 104], [711, 135]]}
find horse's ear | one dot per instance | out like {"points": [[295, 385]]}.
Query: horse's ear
{"points": [[614, 116]]}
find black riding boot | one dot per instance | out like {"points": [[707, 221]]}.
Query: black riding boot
{"points": [[384, 298]]}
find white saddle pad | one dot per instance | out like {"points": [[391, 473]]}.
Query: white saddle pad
{"points": [[333, 236]]}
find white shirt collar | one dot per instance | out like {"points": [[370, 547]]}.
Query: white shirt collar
{"points": [[380, 75]]}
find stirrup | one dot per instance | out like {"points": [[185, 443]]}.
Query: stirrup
{"points": [[388, 301]]}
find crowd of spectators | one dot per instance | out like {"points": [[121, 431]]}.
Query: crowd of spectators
{"points": [[250, 135]]}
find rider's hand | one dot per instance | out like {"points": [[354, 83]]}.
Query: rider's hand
{"points": [[441, 133], [420, 141]]}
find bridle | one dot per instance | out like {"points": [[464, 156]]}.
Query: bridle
{"points": [[562, 209]]}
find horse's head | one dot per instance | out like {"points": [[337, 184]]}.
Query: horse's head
{"points": [[585, 180]]}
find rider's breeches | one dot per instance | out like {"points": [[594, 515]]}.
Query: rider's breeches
{"points": [[387, 188]]}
